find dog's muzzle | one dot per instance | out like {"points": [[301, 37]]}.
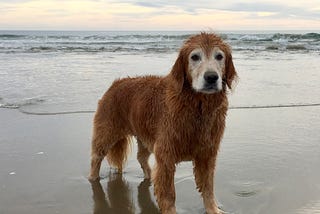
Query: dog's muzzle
{"points": [[211, 82]]}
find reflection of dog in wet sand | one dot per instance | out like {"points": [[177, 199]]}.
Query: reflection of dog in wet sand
{"points": [[178, 117], [118, 197]]}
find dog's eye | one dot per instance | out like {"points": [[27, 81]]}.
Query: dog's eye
{"points": [[219, 57], [196, 57]]}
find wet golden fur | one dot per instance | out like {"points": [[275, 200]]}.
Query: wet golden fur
{"points": [[169, 119]]}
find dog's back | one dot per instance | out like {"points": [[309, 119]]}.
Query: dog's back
{"points": [[132, 105]]}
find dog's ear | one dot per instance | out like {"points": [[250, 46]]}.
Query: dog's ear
{"points": [[230, 72], [178, 72]]}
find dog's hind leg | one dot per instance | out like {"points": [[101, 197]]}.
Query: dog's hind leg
{"points": [[95, 167], [115, 153], [96, 159], [143, 157], [102, 141]]}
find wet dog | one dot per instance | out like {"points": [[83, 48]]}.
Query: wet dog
{"points": [[178, 117]]}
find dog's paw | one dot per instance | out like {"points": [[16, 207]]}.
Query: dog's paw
{"points": [[171, 210], [93, 178], [215, 210]]}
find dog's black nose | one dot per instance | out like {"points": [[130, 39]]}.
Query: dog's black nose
{"points": [[211, 77]]}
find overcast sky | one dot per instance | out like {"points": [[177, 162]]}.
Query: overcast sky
{"points": [[221, 15]]}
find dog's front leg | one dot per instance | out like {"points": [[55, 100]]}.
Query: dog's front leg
{"points": [[204, 174], [163, 180]]}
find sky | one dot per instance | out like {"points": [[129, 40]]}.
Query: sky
{"points": [[220, 15]]}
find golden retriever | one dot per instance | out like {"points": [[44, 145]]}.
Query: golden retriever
{"points": [[178, 117]]}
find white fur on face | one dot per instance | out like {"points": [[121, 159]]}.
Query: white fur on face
{"points": [[199, 64]]}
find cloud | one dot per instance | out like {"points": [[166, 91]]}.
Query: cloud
{"points": [[195, 7], [183, 5], [277, 10], [255, 7], [14, 1], [148, 4]]}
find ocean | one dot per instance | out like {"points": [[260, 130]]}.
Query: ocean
{"points": [[50, 83], [53, 71]]}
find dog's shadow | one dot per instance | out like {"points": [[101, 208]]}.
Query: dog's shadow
{"points": [[117, 197]]}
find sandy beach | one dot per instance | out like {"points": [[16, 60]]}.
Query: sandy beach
{"points": [[268, 163]]}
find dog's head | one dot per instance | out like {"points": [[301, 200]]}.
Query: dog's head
{"points": [[205, 62]]}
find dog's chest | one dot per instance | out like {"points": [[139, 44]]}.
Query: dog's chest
{"points": [[194, 124], [194, 135]]}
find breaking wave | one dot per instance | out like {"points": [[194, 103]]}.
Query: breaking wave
{"points": [[146, 42], [20, 103]]}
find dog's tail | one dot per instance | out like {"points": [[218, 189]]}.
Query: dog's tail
{"points": [[117, 154]]}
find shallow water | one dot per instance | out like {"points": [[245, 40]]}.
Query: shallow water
{"points": [[56, 79]]}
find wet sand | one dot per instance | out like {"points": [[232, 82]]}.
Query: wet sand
{"points": [[268, 163]]}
